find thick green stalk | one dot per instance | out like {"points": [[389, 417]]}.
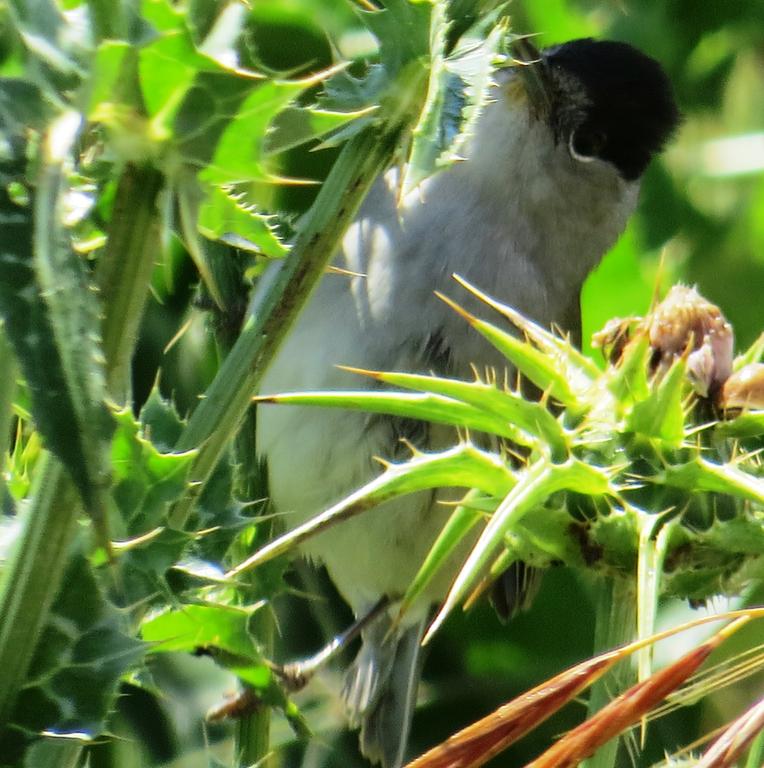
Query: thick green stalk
{"points": [[7, 390], [218, 416], [615, 625], [33, 575], [124, 271], [252, 733]]}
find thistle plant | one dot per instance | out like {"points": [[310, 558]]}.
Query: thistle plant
{"points": [[143, 154], [645, 470], [646, 473]]}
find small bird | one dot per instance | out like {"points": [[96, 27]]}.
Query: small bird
{"points": [[550, 177]]}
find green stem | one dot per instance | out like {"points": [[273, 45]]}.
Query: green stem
{"points": [[33, 575], [253, 731], [219, 414], [615, 625], [252, 734], [7, 391], [124, 271]]}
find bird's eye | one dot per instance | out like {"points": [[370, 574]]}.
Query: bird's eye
{"points": [[585, 144]]}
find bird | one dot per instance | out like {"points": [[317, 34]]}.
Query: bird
{"points": [[548, 181]]}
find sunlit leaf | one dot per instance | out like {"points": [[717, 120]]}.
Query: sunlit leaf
{"points": [[660, 414], [429, 407], [461, 467], [224, 215]]}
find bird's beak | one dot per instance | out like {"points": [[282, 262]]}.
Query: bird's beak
{"points": [[534, 75]]}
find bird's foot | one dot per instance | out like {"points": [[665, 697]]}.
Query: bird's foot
{"points": [[296, 675]]}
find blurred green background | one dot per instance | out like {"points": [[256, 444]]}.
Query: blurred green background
{"points": [[701, 216]]}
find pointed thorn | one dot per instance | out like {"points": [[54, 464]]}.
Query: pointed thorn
{"points": [[470, 318], [267, 399], [361, 371], [444, 610]]}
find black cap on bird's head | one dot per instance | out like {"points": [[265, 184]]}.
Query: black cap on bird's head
{"points": [[606, 100]]}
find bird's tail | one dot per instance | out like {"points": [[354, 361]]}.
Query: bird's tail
{"points": [[380, 690]]}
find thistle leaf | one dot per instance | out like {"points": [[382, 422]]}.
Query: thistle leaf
{"points": [[535, 365], [533, 418], [753, 354], [294, 126], [660, 415], [534, 485], [581, 367], [52, 321], [628, 382], [463, 466], [704, 475], [426, 406], [463, 519], [224, 215], [78, 664], [402, 29], [748, 424]]}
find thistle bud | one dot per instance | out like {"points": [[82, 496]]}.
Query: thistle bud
{"points": [[685, 323]]}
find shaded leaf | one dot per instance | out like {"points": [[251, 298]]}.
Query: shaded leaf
{"points": [[403, 31], [295, 126], [77, 666], [161, 422], [146, 481]]}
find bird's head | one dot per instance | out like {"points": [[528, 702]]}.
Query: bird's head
{"points": [[558, 153], [599, 102]]}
